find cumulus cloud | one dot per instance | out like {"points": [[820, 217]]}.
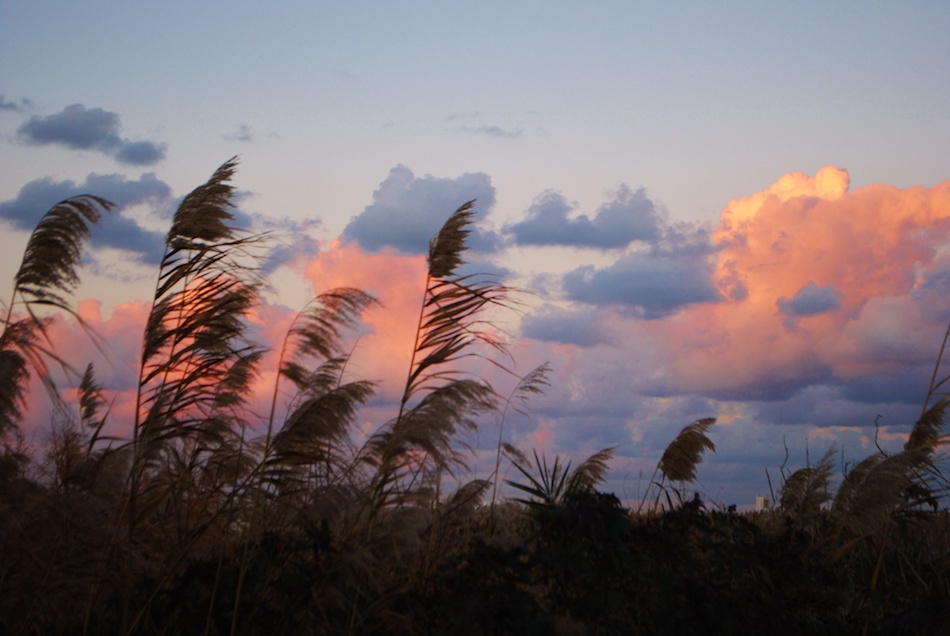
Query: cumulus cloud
{"points": [[79, 128], [627, 216], [850, 268], [407, 211], [117, 230], [581, 327], [653, 285], [139, 153]]}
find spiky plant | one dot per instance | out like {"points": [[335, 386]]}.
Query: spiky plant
{"points": [[438, 400], [46, 277], [555, 483]]}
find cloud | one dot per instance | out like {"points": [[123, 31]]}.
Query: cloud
{"points": [[582, 327], [13, 106], [397, 281], [627, 216], [810, 300], [243, 133], [292, 244], [654, 285], [863, 275], [117, 230], [406, 211], [140, 153], [79, 128], [493, 131], [487, 130]]}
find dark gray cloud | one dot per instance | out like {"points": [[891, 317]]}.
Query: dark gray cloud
{"points": [[581, 327], [810, 300], [407, 211], [140, 153], [116, 230], [831, 404], [654, 285], [777, 385], [14, 106], [79, 128], [483, 270], [628, 216], [905, 384]]}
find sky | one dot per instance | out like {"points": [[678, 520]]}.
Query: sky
{"points": [[740, 211]]}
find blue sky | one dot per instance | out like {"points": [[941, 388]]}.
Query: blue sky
{"points": [[604, 141]]}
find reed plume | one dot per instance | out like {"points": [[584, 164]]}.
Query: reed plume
{"points": [[46, 276], [806, 491], [683, 455], [438, 400]]}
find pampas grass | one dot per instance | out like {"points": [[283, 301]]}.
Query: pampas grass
{"points": [[682, 456]]}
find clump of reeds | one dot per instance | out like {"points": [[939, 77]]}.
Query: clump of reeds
{"points": [[807, 490]]}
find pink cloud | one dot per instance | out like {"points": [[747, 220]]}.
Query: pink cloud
{"points": [[397, 281], [818, 278]]}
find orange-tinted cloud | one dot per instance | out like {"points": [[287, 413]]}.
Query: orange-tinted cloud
{"points": [[815, 277]]}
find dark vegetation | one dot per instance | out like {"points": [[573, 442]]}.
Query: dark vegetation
{"points": [[204, 524]]}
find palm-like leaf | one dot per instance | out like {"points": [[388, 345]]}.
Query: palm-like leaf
{"points": [[548, 488], [555, 483]]}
